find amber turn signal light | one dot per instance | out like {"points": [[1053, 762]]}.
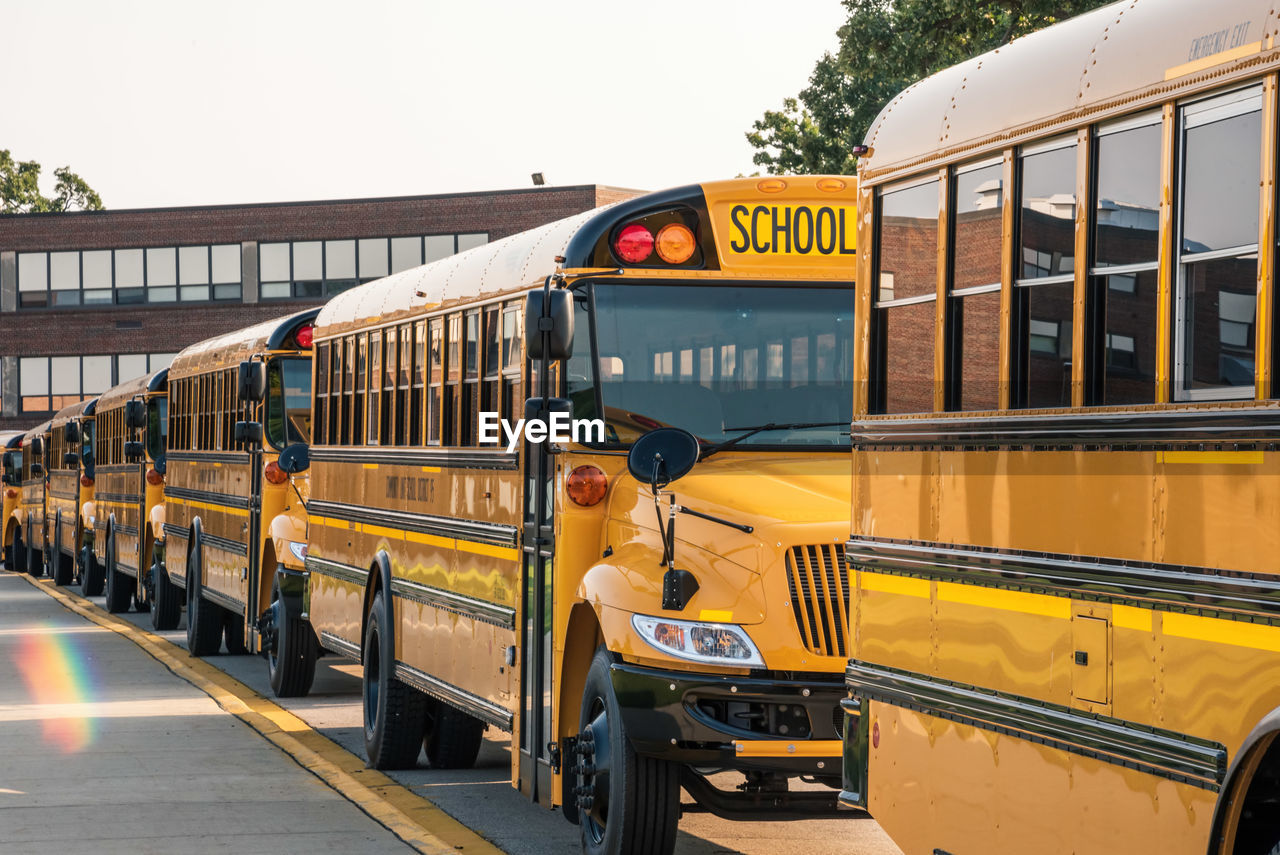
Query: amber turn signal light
{"points": [[675, 243], [274, 474], [154, 478], [11, 493], [86, 481], [587, 485]]}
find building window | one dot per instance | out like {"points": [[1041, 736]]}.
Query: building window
{"points": [[122, 277], [317, 269], [46, 384]]}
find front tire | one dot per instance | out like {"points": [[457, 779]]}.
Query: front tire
{"points": [[35, 561], [394, 713], [119, 589], [631, 803], [19, 551], [204, 619], [291, 657], [92, 577], [166, 611], [64, 568]]}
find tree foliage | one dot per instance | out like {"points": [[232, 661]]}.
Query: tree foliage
{"points": [[885, 46], [20, 189]]}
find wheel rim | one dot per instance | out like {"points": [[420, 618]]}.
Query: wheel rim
{"points": [[595, 761], [372, 668], [271, 636]]}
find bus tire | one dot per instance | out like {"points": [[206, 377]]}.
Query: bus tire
{"points": [[166, 611], [62, 565], [35, 562], [291, 659], [204, 619], [233, 633], [453, 738], [8, 557], [631, 804], [394, 713], [19, 551], [119, 591], [92, 578]]}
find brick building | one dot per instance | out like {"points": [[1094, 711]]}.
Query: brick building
{"points": [[90, 299]]}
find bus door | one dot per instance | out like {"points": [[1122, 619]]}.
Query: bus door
{"points": [[548, 339], [253, 387]]}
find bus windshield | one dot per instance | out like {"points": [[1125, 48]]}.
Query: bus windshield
{"points": [[288, 401], [715, 360]]}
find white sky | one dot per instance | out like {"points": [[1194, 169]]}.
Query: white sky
{"points": [[176, 103]]}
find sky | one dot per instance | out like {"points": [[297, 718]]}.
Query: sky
{"points": [[177, 103]]}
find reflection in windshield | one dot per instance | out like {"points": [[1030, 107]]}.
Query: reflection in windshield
{"points": [[713, 358], [289, 401]]}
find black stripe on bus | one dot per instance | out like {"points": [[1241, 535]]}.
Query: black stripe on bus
{"points": [[337, 570], [175, 531], [226, 500], [473, 705], [224, 543], [208, 457], [476, 609], [1233, 428], [225, 600], [1164, 753], [445, 458], [127, 569], [1197, 590], [340, 645], [128, 530], [119, 498], [62, 494], [476, 531]]}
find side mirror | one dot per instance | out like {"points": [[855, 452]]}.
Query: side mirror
{"points": [[135, 414], [296, 458], [8, 462], [253, 381], [248, 433], [37, 446], [662, 455], [552, 316], [71, 459], [37, 469], [133, 451], [72, 432]]}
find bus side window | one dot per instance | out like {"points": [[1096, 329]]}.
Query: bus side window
{"points": [[471, 381], [435, 407], [489, 390], [372, 432], [905, 302], [973, 309], [320, 418]]}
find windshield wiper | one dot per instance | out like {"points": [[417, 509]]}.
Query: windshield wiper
{"points": [[752, 431]]}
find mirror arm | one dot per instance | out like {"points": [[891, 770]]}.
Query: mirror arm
{"points": [[700, 515]]}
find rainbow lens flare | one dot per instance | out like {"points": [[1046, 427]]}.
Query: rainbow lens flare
{"points": [[52, 666]]}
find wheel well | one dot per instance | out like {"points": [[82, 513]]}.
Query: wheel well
{"points": [[1256, 833], [370, 591], [266, 576], [10, 526], [580, 643]]}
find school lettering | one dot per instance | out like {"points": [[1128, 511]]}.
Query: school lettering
{"points": [[792, 230]]}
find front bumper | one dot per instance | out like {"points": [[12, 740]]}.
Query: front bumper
{"points": [[792, 727]]}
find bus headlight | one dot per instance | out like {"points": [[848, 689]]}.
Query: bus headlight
{"points": [[713, 643], [299, 550]]}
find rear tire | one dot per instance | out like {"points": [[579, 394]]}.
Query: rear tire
{"points": [[394, 713], [119, 590], [291, 662], [204, 619], [233, 633], [92, 576], [453, 738], [35, 561], [166, 611], [634, 801], [19, 552]]}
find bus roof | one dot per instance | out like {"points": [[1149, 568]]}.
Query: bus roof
{"points": [[73, 411], [116, 396], [580, 245], [518, 261], [39, 430], [11, 438], [1112, 60], [234, 347]]}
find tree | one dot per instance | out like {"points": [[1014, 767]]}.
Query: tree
{"points": [[885, 46], [20, 189]]}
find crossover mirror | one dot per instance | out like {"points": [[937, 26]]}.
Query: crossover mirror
{"points": [[662, 455], [296, 458]]}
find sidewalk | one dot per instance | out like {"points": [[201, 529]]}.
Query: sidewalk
{"points": [[104, 750]]}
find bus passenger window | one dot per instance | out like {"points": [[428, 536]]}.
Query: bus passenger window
{"points": [[905, 302], [1218, 246], [1122, 292], [973, 314], [375, 388], [435, 395], [1044, 298]]}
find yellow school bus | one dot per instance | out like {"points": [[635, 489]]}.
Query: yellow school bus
{"points": [[30, 534], [11, 483], [69, 495], [235, 402], [1066, 629], [567, 591], [131, 427]]}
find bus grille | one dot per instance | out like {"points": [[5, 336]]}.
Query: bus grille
{"points": [[819, 585]]}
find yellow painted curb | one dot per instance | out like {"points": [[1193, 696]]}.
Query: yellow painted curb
{"points": [[412, 818]]}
